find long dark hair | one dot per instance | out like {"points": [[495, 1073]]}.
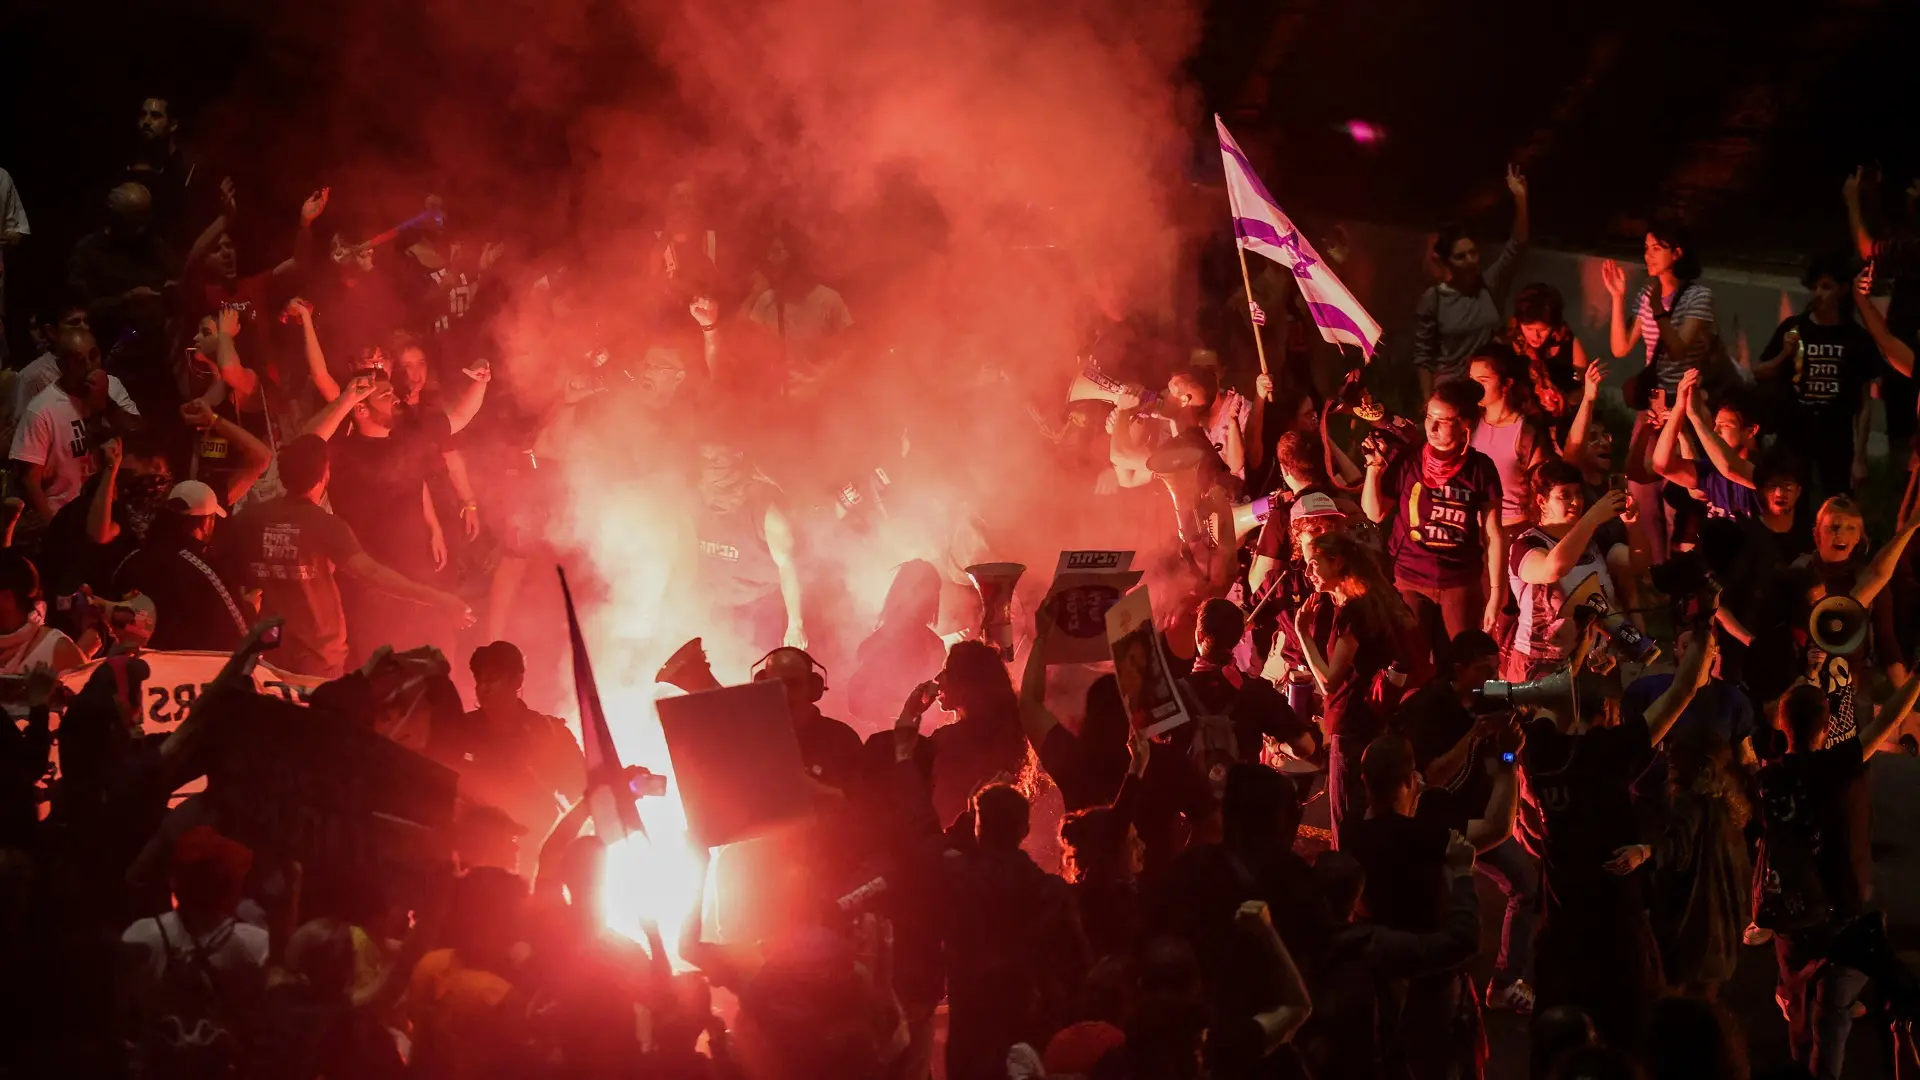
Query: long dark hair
{"points": [[975, 680], [914, 597]]}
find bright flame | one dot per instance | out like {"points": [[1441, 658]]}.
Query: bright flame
{"points": [[655, 878]]}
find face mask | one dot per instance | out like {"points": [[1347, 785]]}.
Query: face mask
{"points": [[140, 501]]}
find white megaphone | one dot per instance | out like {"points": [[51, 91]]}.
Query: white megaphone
{"points": [[1625, 636], [1556, 692], [1248, 516], [1094, 385], [994, 581], [1838, 624]]}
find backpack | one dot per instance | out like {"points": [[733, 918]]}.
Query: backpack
{"points": [[1790, 894], [187, 1031]]}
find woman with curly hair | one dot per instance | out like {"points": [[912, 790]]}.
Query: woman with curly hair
{"points": [[1370, 631], [1702, 876], [1553, 359], [986, 742]]}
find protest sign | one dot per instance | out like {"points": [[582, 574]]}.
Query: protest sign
{"points": [[1085, 585], [1140, 666], [180, 677], [735, 760]]}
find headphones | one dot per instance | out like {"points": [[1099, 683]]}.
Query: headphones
{"points": [[816, 672]]}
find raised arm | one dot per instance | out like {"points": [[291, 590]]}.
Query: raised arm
{"points": [[323, 380], [1544, 566], [1696, 667], [310, 211], [1035, 718], [1373, 497], [1886, 719], [1592, 377], [210, 235], [1899, 354], [238, 378], [780, 545], [1879, 569], [1857, 221], [1666, 452], [101, 528], [472, 396], [1622, 335], [328, 420]]}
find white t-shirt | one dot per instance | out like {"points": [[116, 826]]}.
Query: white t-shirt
{"points": [[230, 946], [43, 372], [804, 323], [52, 434]]}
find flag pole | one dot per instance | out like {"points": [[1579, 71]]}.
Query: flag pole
{"points": [[1247, 283]]}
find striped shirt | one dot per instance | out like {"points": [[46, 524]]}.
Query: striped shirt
{"points": [[1692, 301]]}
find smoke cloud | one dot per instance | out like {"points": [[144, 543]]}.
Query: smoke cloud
{"points": [[979, 179]]}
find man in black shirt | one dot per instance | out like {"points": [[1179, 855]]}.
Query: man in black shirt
{"points": [[1404, 858], [198, 608], [1596, 948], [1457, 757], [509, 756], [1814, 880], [379, 488], [829, 749]]}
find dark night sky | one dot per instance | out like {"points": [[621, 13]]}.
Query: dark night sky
{"points": [[1741, 116]]}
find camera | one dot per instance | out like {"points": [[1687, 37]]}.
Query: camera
{"points": [[643, 783]]}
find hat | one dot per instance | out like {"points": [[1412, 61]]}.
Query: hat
{"points": [[1315, 504], [198, 499]]}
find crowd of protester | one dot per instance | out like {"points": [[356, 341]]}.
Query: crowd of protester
{"points": [[1676, 770]]}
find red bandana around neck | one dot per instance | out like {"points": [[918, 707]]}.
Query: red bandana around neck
{"points": [[1437, 470]]}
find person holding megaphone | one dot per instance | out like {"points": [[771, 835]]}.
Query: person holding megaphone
{"points": [[1551, 561]]}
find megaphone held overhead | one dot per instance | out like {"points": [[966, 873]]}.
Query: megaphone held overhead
{"points": [[994, 582], [1094, 385], [1838, 624]]}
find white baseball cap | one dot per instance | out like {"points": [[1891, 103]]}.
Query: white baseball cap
{"points": [[1314, 504], [197, 498]]}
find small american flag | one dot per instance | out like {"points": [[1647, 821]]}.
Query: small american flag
{"points": [[1253, 309]]}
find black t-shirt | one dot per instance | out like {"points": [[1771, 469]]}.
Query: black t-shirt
{"points": [[1581, 787], [829, 750], [1405, 859], [1346, 711], [1086, 777], [1826, 385], [69, 558], [1811, 794], [1781, 548], [376, 486], [1434, 721], [197, 607], [1435, 534]]}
